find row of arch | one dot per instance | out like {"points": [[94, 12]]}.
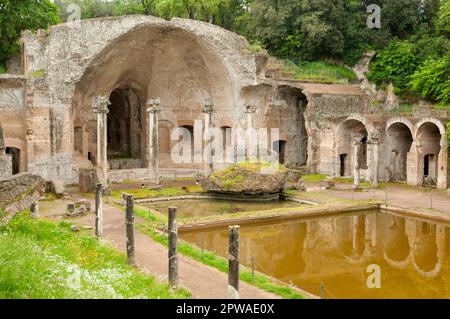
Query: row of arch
{"points": [[413, 153]]}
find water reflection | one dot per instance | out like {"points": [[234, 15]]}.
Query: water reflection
{"points": [[413, 254]]}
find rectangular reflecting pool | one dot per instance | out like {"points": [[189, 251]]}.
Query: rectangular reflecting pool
{"points": [[345, 252], [190, 208]]}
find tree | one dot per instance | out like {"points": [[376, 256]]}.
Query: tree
{"points": [[16, 16], [148, 6], [394, 64], [443, 20], [432, 80]]}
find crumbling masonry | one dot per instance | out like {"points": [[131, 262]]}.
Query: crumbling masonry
{"points": [[109, 92]]}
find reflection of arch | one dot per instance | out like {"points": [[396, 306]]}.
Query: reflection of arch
{"points": [[396, 248], [424, 255]]}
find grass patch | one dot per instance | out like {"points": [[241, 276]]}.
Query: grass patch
{"points": [[322, 72], [2, 69], [404, 108], [347, 180], [141, 193], [255, 47], [314, 178], [38, 74], [41, 259], [208, 258]]}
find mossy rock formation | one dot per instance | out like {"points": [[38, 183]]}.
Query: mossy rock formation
{"points": [[247, 179]]}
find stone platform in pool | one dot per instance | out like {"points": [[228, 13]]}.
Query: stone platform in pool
{"points": [[191, 208]]}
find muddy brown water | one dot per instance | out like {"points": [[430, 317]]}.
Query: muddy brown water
{"points": [[341, 251], [206, 207]]}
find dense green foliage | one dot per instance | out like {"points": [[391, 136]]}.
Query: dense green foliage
{"points": [[412, 43], [16, 16], [40, 259], [322, 72], [419, 65]]}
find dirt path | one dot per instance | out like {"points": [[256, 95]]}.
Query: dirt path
{"points": [[202, 281], [397, 196]]}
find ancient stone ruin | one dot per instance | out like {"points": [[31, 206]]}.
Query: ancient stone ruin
{"points": [[108, 93]]}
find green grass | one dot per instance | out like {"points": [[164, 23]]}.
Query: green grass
{"points": [[314, 178], [405, 108], [221, 264], [141, 193], [2, 69], [38, 74], [322, 72], [347, 180], [41, 259], [442, 106]]}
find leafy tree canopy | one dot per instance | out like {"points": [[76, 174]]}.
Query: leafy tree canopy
{"points": [[16, 16]]}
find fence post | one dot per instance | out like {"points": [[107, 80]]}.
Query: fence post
{"points": [[233, 263], [173, 248], [34, 209], [98, 211], [253, 269], [129, 222]]}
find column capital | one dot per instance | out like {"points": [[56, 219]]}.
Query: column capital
{"points": [[100, 104], [374, 141], [208, 107], [153, 105], [250, 109]]}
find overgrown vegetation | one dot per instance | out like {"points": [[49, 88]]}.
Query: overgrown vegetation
{"points": [[235, 176], [145, 192], [40, 259], [420, 64], [322, 72], [412, 43], [16, 16]]}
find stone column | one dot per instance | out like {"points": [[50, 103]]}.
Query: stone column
{"points": [[356, 152], [153, 142], [252, 144], [414, 166], [375, 159], [100, 106], [30, 150], [208, 109], [443, 164]]}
